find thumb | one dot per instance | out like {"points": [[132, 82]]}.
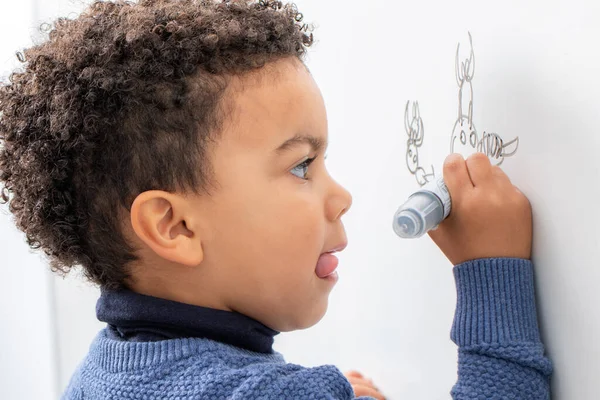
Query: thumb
{"points": [[458, 181]]}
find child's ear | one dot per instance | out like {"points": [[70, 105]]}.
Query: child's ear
{"points": [[162, 221]]}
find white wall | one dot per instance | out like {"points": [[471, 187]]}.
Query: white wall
{"points": [[390, 314], [27, 333], [537, 78]]}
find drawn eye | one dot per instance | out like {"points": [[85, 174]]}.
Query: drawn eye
{"points": [[463, 137], [473, 138]]}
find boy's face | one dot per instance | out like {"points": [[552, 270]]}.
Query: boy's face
{"points": [[271, 217]]}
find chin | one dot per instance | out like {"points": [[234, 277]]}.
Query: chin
{"points": [[306, 321]]}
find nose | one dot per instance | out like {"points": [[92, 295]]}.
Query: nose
{"points": [[338, 202]]}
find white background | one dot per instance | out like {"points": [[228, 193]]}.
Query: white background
{"points": [[537, 77]]}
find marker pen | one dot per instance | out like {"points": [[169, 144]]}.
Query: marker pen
{"points": [[424, 210]]}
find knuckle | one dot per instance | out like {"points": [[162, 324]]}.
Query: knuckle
{"points": [[490, 201], [523, 201], [473, 198], [500, 175], [496, 170], [498, 201]]}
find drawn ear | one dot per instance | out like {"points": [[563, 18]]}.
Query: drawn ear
{"points": [[406, 123]]}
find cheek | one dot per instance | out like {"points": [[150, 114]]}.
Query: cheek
{"points": [[267, 250], [271, 235], [293, 230]]}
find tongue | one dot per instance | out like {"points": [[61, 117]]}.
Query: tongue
{"points": [[326, 265]]}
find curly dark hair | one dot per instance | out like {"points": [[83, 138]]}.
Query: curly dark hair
{"points": [[123, 99]]}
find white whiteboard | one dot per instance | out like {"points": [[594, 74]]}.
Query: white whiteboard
{"points": [[537, 77]]}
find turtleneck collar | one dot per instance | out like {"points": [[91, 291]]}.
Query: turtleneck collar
{"points": [[140, 318]]}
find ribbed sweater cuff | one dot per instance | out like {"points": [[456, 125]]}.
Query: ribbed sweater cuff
{"points": [[495, 302]]}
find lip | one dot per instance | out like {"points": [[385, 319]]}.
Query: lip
{"points": [[338, 248], [333, 277]]}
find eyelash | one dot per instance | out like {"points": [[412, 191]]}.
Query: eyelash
{"points": [[304, 165]]}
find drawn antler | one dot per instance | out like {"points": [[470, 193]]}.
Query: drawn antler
{"points": [[416, 132], [465, 70], [406, 122]]}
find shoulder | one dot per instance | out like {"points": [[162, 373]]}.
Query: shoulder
{"points": [[202, 369]]}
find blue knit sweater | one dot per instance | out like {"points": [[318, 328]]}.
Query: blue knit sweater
{"points": [[495, 326]]}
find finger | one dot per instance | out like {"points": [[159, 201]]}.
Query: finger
{"points": [[360, 381], [480, 168], [360, 390], [499, 174], [456, 175], [353, 373], [526, 203], [519, 191]]}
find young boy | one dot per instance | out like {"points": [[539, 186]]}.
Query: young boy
{"points": [[175, 150]]}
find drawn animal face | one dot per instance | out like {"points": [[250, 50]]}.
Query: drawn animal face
{"points": [[464, 136], [412, 157], [415, 131]]}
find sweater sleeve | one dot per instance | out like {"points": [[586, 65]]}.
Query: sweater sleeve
{"points": [[500, 355]]}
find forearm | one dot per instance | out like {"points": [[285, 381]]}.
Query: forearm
{"points": [[495, 326]]}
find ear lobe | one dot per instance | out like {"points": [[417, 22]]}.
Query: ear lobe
{"points": [[158, 219]]}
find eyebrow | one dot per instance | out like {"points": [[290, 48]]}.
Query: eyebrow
{"points": [[315, 143]]}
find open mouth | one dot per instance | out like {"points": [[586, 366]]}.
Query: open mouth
{"points": [[328, 262]]}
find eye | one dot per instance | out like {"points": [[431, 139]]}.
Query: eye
{"points": [[301, 169]]}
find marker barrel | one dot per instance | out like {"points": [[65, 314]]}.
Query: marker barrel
{"points": [[423, 211]]}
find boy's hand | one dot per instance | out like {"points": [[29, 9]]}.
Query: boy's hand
{"points": [[363, 386], [489, 218]]}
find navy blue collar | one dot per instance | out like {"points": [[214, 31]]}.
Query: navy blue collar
{"points": [[139, 318]]}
